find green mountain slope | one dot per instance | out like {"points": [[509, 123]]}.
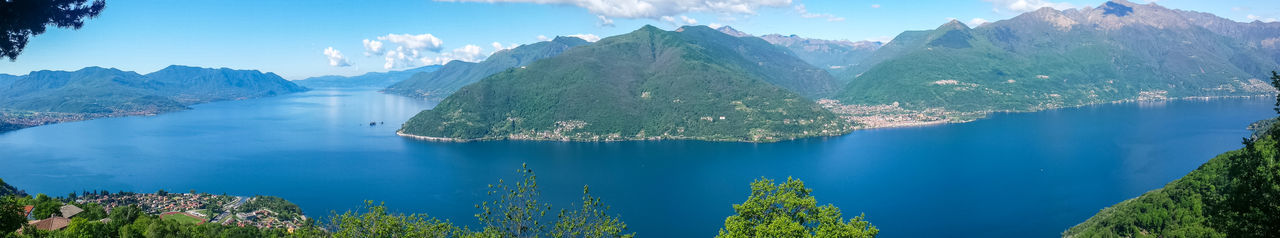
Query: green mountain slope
{"points": [[1048, 59], [692, 83], [456, 74], [373, 79]]}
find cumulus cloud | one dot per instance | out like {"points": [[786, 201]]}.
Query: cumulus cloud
{"points": [[655, 9], [804, 12], [335, 58], [682, 21], [1018, 6], [543, 38], [416, 42], [875, 5], [499, 47], [587, 37], [372, 47], [605, 21], [977, 22], [409, 49], [714, 25]]}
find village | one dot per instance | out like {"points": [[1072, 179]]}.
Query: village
{"points": [[194, 208]]}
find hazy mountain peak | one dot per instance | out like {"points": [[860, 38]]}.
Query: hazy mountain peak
{"points": [[733, 32], [953, 25]]}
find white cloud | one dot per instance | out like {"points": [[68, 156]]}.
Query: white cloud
{"points": [[468, 53], [977, 22], [655, 9], [804, 12], [415, 42], [587, 37], [875, 5], [543, 38], [682, 21], [372, 47], [1018, 6], [499, 47], [335, 58], [688, 21], [714, 25], [605, 21], [1259, 18]]}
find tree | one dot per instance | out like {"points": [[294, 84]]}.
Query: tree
{"points": [[11, 215], [593, 220], [374, 221], [46, 207], [21, 19], [515, 210], [788, 210], [1252, 205]]}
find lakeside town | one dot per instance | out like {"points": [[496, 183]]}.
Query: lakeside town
{"points": [[192, 207]]}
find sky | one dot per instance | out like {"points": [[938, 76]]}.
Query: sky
{"points": [[300, 39]]}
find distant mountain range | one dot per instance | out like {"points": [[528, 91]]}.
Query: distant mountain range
{"points": [[456, 74], [368, 80], [835, 56], [43, 97], [1119, 51], [691, 83]]}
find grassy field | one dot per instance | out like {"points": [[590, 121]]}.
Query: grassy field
{"points": [[182, 218]]}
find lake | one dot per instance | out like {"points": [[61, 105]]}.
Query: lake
{"points": [[1011, 175]]}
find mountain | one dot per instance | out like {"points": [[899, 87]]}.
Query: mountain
{"points": [[43, 97], [1119, 51], [372, 79], [691, 83], [835, 56], [456, 74], [191, 85]]}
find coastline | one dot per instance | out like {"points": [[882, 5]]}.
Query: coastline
{"points": [[981, 115]]}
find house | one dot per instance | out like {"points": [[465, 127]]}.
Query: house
{"points": [[26, 212], [50, 224], [70, 210]]}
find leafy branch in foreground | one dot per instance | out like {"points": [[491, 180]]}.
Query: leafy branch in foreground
{"points": [[788, 210]]}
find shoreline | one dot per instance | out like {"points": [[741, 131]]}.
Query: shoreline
{"points": [[985, 114]]}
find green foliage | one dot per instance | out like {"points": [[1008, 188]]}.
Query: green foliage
{"points": [[514, 210], [92, 211], [5, 188], [374, 221], [27, 18], [46, 207], [592, 220], [649, 84], [286, 209], [11, 214], [788, 210]]}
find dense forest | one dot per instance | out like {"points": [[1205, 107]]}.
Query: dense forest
{"points": [[1236, 194], [514, 209], [691, 83]]}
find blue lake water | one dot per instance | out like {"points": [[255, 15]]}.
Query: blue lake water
{"points": [[1011, 175]]}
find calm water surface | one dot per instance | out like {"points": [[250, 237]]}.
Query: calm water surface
{"points": [[1012, 175]]}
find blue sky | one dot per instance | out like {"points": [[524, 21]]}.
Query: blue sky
{"points": [[294, 39]]}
